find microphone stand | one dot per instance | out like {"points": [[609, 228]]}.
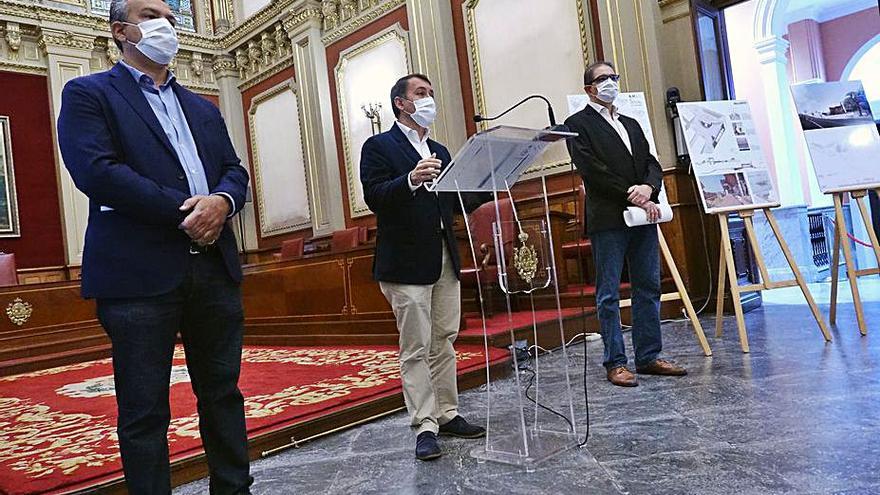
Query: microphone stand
{"points": [[550, 115]]}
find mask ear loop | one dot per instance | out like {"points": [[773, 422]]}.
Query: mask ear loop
{"points": [[126, 36]]}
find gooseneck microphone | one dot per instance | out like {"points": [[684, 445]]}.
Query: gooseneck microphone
{"points": [[480, 118]]}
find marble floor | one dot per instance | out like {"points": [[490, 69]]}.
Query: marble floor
{"points": [[795, 416]]}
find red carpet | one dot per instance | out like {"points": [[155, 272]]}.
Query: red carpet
{"points": [[499, 322], [57, 426]]}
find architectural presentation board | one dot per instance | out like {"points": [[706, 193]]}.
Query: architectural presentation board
{"points": [[841, 134], [726, 156]]}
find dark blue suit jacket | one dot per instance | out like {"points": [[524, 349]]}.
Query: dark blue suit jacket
{"points": [[409, 240], [119, 156]]}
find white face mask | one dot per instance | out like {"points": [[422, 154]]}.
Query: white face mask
{"points": [[158, 40], [607, 90], [426, 111]]}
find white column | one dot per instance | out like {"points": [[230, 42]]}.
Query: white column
{"points": [[227, 76], [68, 57], [780, 113], [808, 65], [807, 58], [319, 142], [432, 41]]}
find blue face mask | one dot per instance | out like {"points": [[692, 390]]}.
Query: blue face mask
{"points": [[426, 111], [158, 40], [607, 90]]}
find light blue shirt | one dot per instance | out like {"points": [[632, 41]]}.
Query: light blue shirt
{"points": [[167, 109]]}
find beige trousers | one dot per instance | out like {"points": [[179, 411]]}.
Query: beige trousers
{"points": [[428, 317]]}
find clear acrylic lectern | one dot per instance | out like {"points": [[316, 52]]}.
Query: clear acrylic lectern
{"points": [[518, 432]]}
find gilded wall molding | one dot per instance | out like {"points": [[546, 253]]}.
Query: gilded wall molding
{"points": [[304, 16], [9, 66], [18, 12], [65, 39], [266, 53], [265, 231], [223, 65], [349, 26], [268, 72], [243, 31]]}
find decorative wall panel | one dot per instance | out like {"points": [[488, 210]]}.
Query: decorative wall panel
{"points": [[549, 39], [282, 190], [364, 76]]}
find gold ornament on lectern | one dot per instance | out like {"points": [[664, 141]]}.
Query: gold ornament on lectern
{"points": [[19, 311], [525, 259]]}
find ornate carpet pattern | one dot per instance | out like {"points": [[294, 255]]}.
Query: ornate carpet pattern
{"points": [[58, 426]]}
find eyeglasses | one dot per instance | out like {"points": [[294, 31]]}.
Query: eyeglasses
{"points": [[605, 77]]}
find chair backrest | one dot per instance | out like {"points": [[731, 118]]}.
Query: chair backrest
{"points": [[8, 273], [292, 249], [482, 218], [343, 240], [581, 209]]}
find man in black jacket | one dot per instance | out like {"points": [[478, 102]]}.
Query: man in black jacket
{"points": [[618, 170], [416, 261]]}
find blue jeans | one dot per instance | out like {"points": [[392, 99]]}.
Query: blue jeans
{"points": [[638, 246], [207, 311]]}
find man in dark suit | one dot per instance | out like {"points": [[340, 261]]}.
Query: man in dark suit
{"points": [[416, 261], [162, 178], [614, 160]]}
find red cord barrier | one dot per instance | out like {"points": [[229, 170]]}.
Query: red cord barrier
{"points": [[852, 237]]}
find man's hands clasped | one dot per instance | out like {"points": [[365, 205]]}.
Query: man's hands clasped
{"points": [[206, 217], [641, 196]]}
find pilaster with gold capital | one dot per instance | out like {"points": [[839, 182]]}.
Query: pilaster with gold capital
{"points": [[432, 41], [68, 55], [303, 26], [226, 74], [630, 40]]}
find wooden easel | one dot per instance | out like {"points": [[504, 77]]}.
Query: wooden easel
{"points": [[681, 294], [840, 233], [727, 270]]}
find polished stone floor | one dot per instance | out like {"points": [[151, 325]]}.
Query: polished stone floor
{"points": [[795, 416]]}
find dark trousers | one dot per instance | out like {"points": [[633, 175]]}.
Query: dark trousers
{"points": [[207, 311], [639, 247]]}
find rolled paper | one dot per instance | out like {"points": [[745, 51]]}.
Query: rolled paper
{"points": [[635, 216]]}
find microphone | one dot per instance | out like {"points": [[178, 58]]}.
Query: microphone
{"points": [[550, 115], [673, 98]]}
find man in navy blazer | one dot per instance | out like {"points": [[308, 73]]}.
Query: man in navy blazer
{"points": [[162, 178], [416, 261]]}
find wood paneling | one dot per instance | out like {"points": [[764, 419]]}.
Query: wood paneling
{"points": [[327, 298], [42, 275]]}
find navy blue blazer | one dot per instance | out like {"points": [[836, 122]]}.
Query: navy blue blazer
{"points": [[119, 156], [409, 240]]}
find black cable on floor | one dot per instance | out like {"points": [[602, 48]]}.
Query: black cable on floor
{"points": [[542, 406], [564, 344], [577, 207]]}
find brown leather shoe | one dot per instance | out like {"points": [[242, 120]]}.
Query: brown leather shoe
{"points": [[661, 367], [622, 377]]}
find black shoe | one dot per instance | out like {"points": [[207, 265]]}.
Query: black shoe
{"points": [[459, 427], [427, 447]]}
